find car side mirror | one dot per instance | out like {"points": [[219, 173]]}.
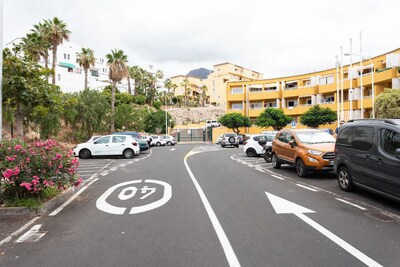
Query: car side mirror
{"points": [[397, 153], [292, 143]]}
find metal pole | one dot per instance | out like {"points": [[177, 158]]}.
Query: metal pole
{"points": [[337, 91], [361, 81], [350, 76], [373, 89], [341, 84], [166, 121], [1, 70]]}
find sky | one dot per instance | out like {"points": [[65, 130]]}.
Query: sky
{"points": [[276, 38]]}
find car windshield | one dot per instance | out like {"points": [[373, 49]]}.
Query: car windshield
{"points": [[315, 137]]}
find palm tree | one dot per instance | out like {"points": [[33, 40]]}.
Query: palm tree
{"points": [[137, 74], [37, 44], [203, 94], [86, 59], [118, 70], [56, 32], [187, 90]]}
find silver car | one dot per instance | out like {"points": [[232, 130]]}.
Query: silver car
{"points": [[229, 139]]}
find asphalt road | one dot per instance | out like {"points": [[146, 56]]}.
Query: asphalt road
{"points": [[200, 205]]}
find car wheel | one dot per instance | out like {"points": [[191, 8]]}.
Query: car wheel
{"points": [[237, 146], [268, 155], [128, 153], [345, 179], [301, 168], [231, 139], [85, 154], [222, 145], [250, 152], [275, 163], [169, 143], [158, 144]]}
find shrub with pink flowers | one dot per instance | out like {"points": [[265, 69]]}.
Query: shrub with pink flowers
{"points": [[30, 170]]}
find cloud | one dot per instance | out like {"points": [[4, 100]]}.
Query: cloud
{"points": [[277, 38]]}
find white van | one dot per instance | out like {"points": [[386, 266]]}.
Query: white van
{"points": [[212, 123]]}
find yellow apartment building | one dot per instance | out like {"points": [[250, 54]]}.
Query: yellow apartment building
{"points": [[215, 82], [349, 90], [223, 73], [195, 85]]}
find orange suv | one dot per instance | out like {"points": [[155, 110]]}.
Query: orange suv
{"points": [[306, 149]]}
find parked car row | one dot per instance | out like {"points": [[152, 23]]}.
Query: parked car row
{"points": [[365, 154], [126, 144]]}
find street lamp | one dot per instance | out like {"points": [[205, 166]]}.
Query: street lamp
{"points": [[372, 81]]}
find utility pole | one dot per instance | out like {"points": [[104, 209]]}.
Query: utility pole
{"points": [[1, 70]]}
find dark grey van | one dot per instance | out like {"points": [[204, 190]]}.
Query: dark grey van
{"points": [[367, 155]]}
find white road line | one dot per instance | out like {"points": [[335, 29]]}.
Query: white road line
{"points": [[223, 239], [278, 177], [260, 170], [352, 204], [56, 211], [19, 231], [308, 188]]}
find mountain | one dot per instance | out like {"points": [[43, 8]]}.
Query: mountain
{"points": [[202, 73]]}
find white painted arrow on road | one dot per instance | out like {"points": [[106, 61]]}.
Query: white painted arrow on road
{"points": [[283, 206]]}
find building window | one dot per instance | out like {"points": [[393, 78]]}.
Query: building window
{"points": [[255, 89], [270, 88], [327, 79], [68, 57], [237, 106], [270, 104], [94, 73], [65, 56], [290, 85], [59, 77], [292, 103], [256, 105], [236, 90]]}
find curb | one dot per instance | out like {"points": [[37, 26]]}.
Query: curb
{"points": [[42, 210]]}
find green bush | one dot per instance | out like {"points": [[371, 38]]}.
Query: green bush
{"points": [[35, 171]]}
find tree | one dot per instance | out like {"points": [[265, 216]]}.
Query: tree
{"points": [[156, 120], [25, 88], [387, 104], [118, 70], [203, 95], [234, 121], [56, 31], [273, 117], [316, 116], [85, 59], [186, 85], [37, 43]]}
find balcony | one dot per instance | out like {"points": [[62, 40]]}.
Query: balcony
{"points": [[265, 95], [367, 102], [312, 90], [327, 88], [297, 110], [255, 112], [386, 75], [331, 105], [240, 111], [235, 97]]}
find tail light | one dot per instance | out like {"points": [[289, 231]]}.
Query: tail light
{"points": [[245, 142], [134, 143]]}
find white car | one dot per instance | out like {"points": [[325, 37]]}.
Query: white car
{"points": [[251, 146], [123, 145], [170, 140], [157, 141]]}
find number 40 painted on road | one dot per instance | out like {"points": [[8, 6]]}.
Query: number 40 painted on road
{"points": [[130, 192]]}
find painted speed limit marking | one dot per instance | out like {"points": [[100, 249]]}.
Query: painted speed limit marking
{"points": [[135, 190]]}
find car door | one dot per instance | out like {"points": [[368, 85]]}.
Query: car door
{"points": [[117, 144], [101, 147], [387, 166], [259, 149], [362, 156]]}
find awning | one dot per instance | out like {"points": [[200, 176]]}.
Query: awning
{"points": [[66, 65]]}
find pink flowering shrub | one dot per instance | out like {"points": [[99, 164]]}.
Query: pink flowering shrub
{"points": [[26, 170]]}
